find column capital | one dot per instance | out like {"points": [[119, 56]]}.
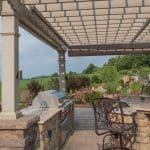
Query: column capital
{"points": [[61, 51], [5, 9], [10, 34]]}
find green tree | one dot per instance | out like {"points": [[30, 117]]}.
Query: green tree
{"points": [[143, 72], [90, 69], [71, 73], [110, 77], [54, 75], [129, 62], [95, 78]]}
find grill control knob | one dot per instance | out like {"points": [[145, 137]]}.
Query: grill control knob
{"points": [[44, 104]]}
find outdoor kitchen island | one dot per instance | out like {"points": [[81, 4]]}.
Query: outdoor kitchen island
{"points": [[56, 114]]}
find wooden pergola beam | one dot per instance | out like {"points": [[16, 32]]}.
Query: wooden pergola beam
{"points": [[75, 53], [112, 46]]}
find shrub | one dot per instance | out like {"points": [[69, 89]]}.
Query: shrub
{"points": [[72, 83], [53, 83], [77, 101], [111, 87], [95, 79], [76, 82], [34, 88], [25, 95], [79, 95], [84, 95], [91, 95], [135, 88]]}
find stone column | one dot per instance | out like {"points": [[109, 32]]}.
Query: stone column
{"points": [[10, 55], [143, 131], [62, 71]]}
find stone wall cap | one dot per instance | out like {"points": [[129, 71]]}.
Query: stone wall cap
{"points": [[48, 114], [20, 123], [144, 110]]}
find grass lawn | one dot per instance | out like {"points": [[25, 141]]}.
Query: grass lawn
{"points": [[23, 83], [42, 81]]}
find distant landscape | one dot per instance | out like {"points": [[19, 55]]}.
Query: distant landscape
{"points": [[121, 74]]}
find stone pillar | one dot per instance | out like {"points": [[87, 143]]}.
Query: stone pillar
{"points": [[10, 55], [143, 131], [62, 71]]}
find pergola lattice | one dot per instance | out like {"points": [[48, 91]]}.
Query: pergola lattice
{"points": [[98, 22]]}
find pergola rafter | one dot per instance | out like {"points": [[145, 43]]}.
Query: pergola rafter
{"points": [[141, 30]]}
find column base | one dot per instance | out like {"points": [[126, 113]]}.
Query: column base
{"points": [[20, 134], [10, 115]]}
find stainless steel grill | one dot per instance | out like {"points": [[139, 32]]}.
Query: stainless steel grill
{"points": [[51, 99]]}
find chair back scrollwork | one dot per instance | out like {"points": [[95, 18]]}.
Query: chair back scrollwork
{"points": [[110, 118], [109, 114]]}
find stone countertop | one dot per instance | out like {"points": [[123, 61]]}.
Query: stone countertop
{"points": [[141, 107], [23, 122], [29, 119], [133, 108], [44, 114], [48, 114]]}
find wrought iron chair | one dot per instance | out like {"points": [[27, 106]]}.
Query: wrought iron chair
{"points": [[110, 122]]}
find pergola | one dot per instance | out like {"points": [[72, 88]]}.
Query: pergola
{"points": [[98, 27], [83, 27]]}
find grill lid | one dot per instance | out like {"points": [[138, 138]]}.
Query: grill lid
{"points": [[48, 99]]}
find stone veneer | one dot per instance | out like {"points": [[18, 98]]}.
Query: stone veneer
{"points": [[49, 131], [36, 132], [18, 134], [143, 131], [142, 135]]}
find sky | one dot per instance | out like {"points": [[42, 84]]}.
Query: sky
{"points": [[38, 59]]}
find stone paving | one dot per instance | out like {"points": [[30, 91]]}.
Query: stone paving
{"points": [[83, 140], [84, 137], [84, 119]]}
